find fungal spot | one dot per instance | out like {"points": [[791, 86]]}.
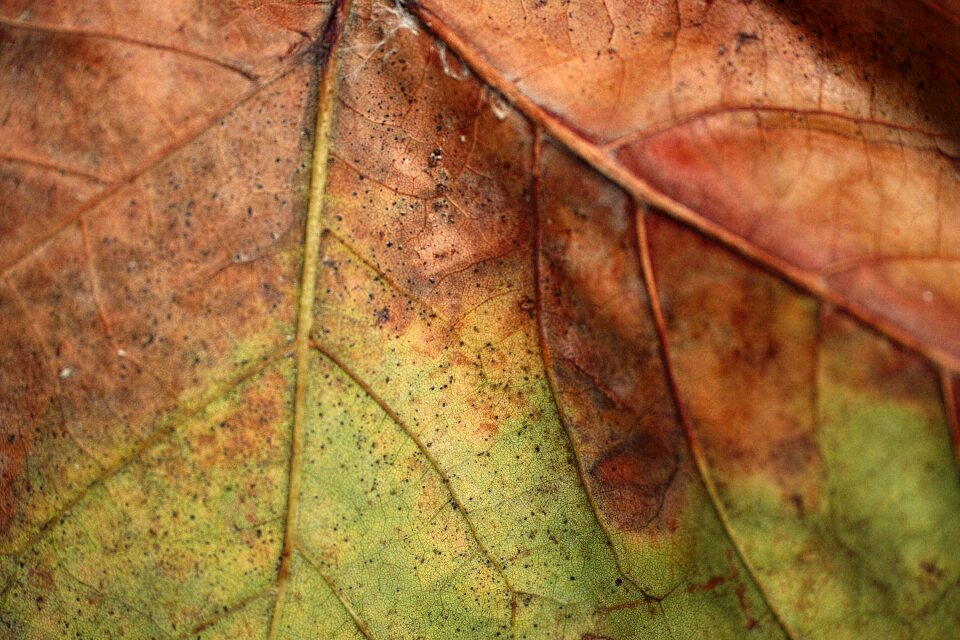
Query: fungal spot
{"points": [[744, 38], [528, 305]]}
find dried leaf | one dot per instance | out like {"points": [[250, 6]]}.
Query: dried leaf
{"points": [[534, 320]]}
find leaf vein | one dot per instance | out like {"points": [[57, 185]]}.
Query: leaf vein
{"points": [[696, 452], [311, 251], [607, 165], [230, 65], [223, 613], [186, 416], [151, 162], [354, 616], [425, 451]]}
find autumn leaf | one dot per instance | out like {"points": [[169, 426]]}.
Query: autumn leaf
{"points": [[495, 319]]}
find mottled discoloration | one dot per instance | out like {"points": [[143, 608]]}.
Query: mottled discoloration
{"points": [[426, 302], [602, 345], [744, 346], [817, 433], [146, 299], [606, 362], [174, 539], [26, 396], [818, 138], [524, 400]]}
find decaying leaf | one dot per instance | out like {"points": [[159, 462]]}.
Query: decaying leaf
{"points": [[503, 319]]}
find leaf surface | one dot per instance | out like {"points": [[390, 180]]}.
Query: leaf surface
{"points": [[531, 320]]}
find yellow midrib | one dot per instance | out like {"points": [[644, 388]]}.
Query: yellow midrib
{"points": [[314, 229]]}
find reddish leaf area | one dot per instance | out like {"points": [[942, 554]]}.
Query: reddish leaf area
{"points": [[149, 173], [94, 94], [602, 343], [819, 139], [745, 344]]}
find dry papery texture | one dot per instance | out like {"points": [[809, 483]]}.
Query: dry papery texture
{"points": [[504, 319]]}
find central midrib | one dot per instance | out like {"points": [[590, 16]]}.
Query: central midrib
{"points": [[311, 248]]}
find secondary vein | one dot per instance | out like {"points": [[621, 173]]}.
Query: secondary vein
{"points": [[699, 458]]}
